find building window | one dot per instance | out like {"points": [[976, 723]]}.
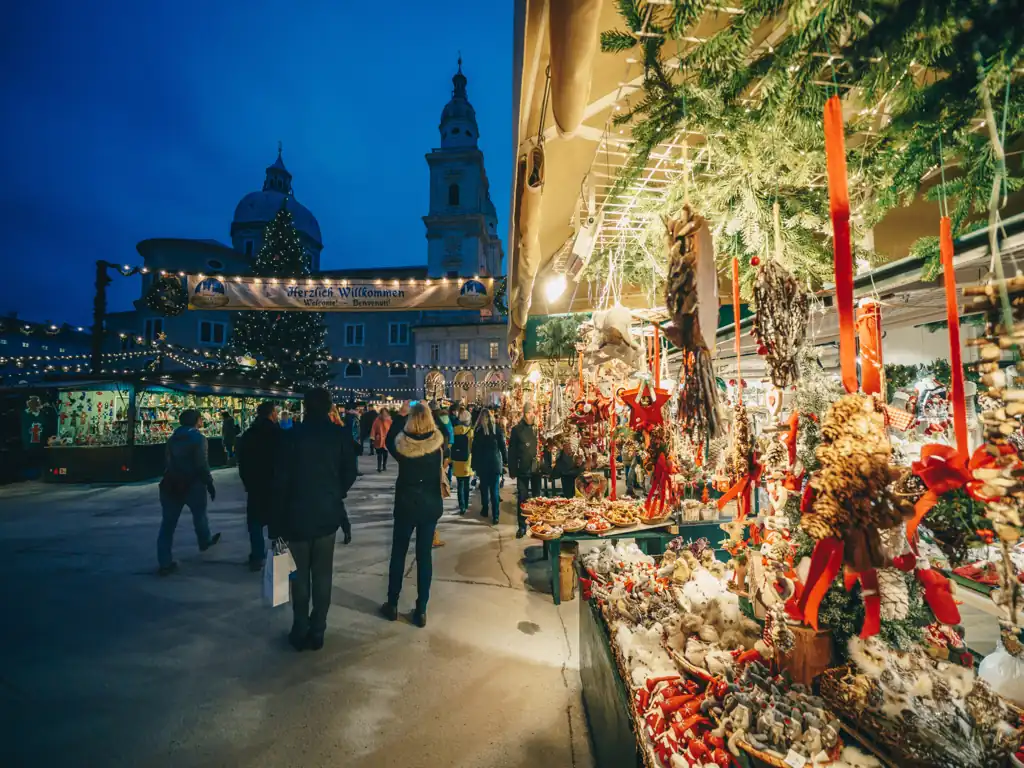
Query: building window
{"points": [[46, 347], [435, 353], [24, 344], [453, 194], [463, 351], [353, 371], [60, 350], [213, 333], [398, 333], [394, 371], [354, 335], [455, 131], [494, 350], [153, 328], [248, 247]]}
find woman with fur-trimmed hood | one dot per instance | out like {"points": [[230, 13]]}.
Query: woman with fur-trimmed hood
{"points": [[418, 448]]}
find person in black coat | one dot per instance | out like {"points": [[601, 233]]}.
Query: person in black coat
{"points": [[257, 462], [568, 466], [317, 468], [228, 435], [417, 445], [488, 461], [523, 464]]}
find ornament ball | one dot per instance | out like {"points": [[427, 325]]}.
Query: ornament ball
{"points": [[755, 260]]}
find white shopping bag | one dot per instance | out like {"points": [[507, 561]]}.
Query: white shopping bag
{"points": [[276, 569]]}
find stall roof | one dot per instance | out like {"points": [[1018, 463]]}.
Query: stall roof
{"points": [[580, 171], [177, 381]]}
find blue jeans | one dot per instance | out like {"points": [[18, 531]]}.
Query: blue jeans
{"points": [[424, 559], [257, 544], [490, 496], [462, 487], [195, 499]]}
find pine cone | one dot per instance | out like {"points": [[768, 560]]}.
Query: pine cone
{"points": [[892, 589]]}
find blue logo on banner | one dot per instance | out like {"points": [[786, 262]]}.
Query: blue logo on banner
{"points": [[209, 293]]}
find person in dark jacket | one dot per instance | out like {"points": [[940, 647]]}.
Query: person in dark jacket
{"points": [[568, 466], [187, 481], [228, 434], [416, 444], [489, 459], [317, 468], [258, 457], [523, 464]]}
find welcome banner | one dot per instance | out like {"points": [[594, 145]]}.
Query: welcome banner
{"points": [[338, 295]]}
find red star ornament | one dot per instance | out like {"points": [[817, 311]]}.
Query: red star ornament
{"points": [[645, 404]]}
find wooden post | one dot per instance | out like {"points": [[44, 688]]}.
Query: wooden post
{"points": [[99, 312], [811, 654]]}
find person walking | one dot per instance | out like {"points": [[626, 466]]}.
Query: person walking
{"points": [[568, 466], [317, 468], [522, 463], [444, 423], [228, 435], [379, 436], [488, 460], [418, 447], [186, 482], [258, 456], [462, 449]]}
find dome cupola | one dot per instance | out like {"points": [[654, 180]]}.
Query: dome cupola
{"points": [[458, 119]]}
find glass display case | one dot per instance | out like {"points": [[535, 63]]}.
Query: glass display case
{"points": [[116, 431], [93, 416]]}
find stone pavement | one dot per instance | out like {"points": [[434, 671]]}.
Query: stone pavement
{"points": [[106, 664]]}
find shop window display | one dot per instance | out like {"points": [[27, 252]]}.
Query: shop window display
{"points": [[92, 417]]}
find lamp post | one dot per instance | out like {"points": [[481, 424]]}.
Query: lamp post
{"points": [[99, 306]]}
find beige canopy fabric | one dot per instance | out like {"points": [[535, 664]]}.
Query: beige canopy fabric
{"points": [[530, 255], [574, 38]]}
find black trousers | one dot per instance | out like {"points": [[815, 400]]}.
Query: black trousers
{"points": [[568, 486], [402, 535], [382, 459], [314, 563], [526, 487]]}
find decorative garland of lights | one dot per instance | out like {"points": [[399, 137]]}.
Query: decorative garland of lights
{"points": [[418, 366], [49, 330], [21, 360]]}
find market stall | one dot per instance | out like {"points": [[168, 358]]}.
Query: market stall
{"points": [[844, 179], [116, 430]]}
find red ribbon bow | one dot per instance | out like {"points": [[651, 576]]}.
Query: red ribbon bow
{"points": [[942, 469]]}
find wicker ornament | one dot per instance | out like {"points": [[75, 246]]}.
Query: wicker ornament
{"points": [[740, 447], [691, 297], [892, 588], [781, 321]]}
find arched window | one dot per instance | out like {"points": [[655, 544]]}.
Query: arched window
{"points": [[453, 194], [353, 371]]}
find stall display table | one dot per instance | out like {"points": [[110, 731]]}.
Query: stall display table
{"points": [[651, 539]]}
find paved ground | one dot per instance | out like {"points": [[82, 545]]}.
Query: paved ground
{"points": [[106, 664]]}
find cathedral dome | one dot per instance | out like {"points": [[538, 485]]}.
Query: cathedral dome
{"points": [[458, 118], [259, 208]]}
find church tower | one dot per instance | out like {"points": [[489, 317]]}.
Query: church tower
{"points": [[462, 225]]}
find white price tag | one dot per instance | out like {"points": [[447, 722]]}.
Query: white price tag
{"points": [[794, 760], [766, 548]]}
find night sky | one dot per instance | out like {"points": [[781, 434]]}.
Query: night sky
{"points": [[127, 120]]}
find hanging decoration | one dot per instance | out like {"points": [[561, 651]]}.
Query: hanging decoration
{"points": [[781, 321], [839, 211], [166, 296], [953, 323], [645, 404], [691, 297]]}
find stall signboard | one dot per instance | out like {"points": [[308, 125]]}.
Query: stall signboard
{"points": [[338, 295]]}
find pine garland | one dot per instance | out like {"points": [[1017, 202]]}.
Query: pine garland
{"points": [[918, 62]]}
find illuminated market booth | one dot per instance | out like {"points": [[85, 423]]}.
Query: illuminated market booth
{"points": [[114, 430], [763, 276]]}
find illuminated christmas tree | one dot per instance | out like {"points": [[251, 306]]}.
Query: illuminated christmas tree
{"points": [[288, 346]]}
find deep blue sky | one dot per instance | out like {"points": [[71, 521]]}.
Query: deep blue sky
{"points": [[126, 120]]}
